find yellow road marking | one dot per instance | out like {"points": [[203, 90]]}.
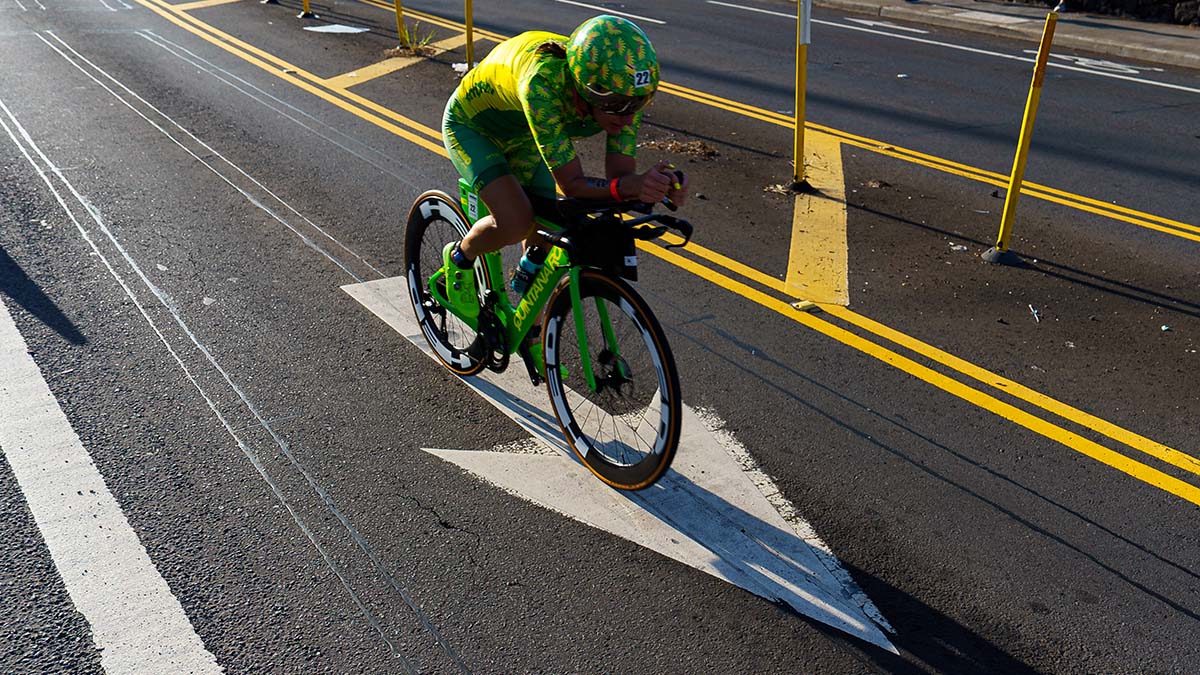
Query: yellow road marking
{"points": [[287, 72], [1036, 190], [1015, 389], [390, 65], [200, 4], [283, 70], [818, 266], [980, 399]]}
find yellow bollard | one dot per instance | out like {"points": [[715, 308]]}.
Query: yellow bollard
{"points": [[803, 38], [470, 36], [306, 13], [400, 31], [1000, 253]]}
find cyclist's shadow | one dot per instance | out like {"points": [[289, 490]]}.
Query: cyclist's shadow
{"points": [[728, 528], [716, 518], [771, 554], [524, 404]]}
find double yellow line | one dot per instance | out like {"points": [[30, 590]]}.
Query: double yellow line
{"points": [[974, 396], [430, 139], [1146, 220], [1036, 190]]}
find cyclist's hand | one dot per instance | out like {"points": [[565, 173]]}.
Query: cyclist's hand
{"points": [[679, 186], [653, 185]]}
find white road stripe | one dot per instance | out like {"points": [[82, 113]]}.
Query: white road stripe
{"points": [[973, 50], [210, 150], [136, 621], [889, 26], [609, 10], [168, 305]]}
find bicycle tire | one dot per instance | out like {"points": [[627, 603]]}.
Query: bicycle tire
{"points": [[434, 221], [629, 459]]}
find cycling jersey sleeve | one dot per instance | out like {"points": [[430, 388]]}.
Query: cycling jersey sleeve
{"points": [[541, 99]]}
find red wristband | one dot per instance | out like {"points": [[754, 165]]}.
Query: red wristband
{"points": [[612, 189]]}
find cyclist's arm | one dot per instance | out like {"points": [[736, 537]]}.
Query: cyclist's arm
{"points": [[650, 186], [619, 165], [576, 185]]}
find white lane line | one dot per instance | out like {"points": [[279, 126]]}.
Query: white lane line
{"points": [[993, 18], [382, 570], [168, 305], [609, 10], [280, 107], [888, 25], [973, 50], [208, 148], [137, 623], [20, 5], [754, 9]]}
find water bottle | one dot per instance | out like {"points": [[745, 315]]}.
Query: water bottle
{"points": [[527, 269]]}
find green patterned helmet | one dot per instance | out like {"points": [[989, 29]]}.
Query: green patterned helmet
{"points": [[613, 64]]}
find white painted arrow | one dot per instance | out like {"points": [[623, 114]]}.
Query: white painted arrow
{"points": [[713, 510], [885, 24]]}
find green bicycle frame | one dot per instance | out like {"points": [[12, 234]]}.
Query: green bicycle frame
{"points": [[518, 321]]}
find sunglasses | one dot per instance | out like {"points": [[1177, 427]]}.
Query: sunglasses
{"points": [[616, 104], [624, 106]]}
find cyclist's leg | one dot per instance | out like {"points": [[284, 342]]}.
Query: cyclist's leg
{"points": [[511, 219], [509, 222], [481, 162], [540, 182]]}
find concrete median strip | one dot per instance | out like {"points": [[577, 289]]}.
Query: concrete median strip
{"points": [[136, 621]]}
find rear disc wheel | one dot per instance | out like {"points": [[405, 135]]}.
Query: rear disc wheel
{"points": [[433, 222]]}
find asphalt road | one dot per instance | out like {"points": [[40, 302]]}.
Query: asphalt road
{"points": [[176, 276]]}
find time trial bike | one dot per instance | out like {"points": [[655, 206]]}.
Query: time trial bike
{"points": [[602, 354]]}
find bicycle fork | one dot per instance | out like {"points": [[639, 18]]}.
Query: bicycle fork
{"points": [[611, 352]]}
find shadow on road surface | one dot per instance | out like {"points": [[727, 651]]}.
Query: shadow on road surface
{"points": [[17, 285]]}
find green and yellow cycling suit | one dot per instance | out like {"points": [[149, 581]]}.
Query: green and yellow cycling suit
{"points": [[515, 113]]}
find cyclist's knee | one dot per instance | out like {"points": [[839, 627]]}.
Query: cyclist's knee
{"points": [[510, 209], [513, 228]]}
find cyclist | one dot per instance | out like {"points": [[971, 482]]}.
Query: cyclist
{"points": [[511, 123]]}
